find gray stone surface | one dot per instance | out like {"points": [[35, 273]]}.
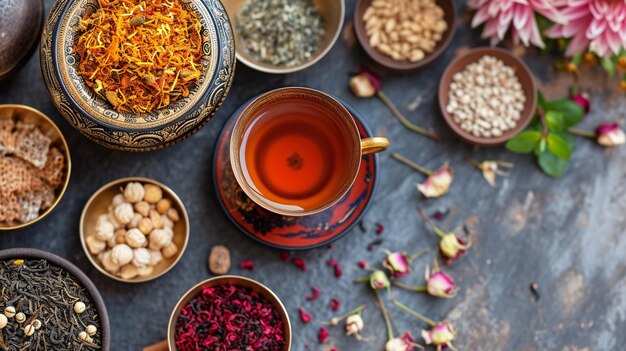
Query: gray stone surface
{"points": [[565, 235]]}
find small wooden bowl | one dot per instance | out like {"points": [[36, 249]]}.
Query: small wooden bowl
{"points": [[98, 204], [49, 129], [82, 278], [523, 74], [449, 9], [232, 280], [331, 10]]}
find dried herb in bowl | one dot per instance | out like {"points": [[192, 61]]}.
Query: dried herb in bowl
{"points": [[43, 307], [139, 55], [280, 32], [229, 317]]}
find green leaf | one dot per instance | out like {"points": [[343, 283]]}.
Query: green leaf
{"points": [[555, 121], [524, 142], [559, 147], [571, 112], [609, 67], [540, 147], [552, 165], [569, 138], [577, 59]]}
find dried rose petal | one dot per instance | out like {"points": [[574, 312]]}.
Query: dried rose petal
{"points": [[249, 265], [305, 317], [315, 293], [335, 305], [380, 228], [362, 264], [322, 336], [298, 262], [285, 256], [332, 262], [338, 271]]}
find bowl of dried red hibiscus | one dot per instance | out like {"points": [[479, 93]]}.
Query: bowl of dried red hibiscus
{"points": [[229, 313], [137, 75]]}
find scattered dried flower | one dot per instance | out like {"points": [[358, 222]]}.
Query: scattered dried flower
{"points": [[298, 262], [322, 335], [249, 265], [607, 134], [362, 264], [440, 335], [335, 304], [405, 342], [285, 256], [367, 84], [315, 293], [378, 280], [398, 264], [438, 182], [451, 246], [380, 228], [440, 284], [491, 168], [338, 271], [354, 325], [582, 99], [332, 262], [305, 317]]}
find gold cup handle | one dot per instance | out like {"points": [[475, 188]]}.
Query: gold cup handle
{"points": [[374, 145]]}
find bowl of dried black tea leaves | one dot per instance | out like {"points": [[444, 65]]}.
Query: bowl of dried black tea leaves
{"points": [[284, 36], [47, 303]]}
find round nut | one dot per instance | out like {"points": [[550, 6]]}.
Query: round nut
{"points": [[29, 330], [219, 260], [91, 330], [3, 321], [170, 250], [83, 336], [37, 324], [143, 208], [79, 307], [145, 226], [163, 205], [9, 311], [157, 220], [153, 193], [173, 215]]}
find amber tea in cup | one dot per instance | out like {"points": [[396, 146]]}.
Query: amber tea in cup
{"points": [[297, 151]]}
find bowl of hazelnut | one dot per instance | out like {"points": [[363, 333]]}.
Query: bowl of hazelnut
{"points": [[134, 229]]}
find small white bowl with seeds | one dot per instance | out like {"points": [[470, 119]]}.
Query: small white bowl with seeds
{"points": [[134, 229], [487, 96]]}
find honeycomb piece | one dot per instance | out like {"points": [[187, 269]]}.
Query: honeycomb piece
{"points": [[32, 145], [30, 204], [7, 136], [18, 176], [54, 169], [10, 209]]}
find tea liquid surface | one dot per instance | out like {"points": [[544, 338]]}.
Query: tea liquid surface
{"points": [[296, 153]]}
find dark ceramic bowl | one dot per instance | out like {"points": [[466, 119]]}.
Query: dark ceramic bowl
{"points": [[243, 282], [97, 300], [20, 25], [449, 9], [523, 74], [96, 118]]}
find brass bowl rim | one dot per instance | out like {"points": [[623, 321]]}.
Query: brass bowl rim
{"points": [[215, 281], [285, 70], [66, 153], [113, 183], [237, 164]]}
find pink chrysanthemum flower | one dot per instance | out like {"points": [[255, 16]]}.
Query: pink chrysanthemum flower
{"points": [[499, 16], [595, 25]]}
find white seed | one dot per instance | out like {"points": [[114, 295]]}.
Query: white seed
{"points": [[20, 317], [9, 311], [29, 330], [37, 324], [79, 307], [91, 330], [3, 321]]}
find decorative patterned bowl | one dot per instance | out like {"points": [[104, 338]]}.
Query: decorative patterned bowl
{"points": [[95, 117], [20, 25]]}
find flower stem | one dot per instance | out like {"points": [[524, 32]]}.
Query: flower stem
{"points": [[475, 163], [582, 133], [396, 156], [428, 321], [362, 280], [405, 122], [385, 316], [438, 231], [336, 320], [410, 287], [419, 253]]}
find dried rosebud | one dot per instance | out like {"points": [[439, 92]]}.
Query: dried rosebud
{"points": [[398, 264], [583, 101], [354, 325], [441, 335], [379, 280], [610, 134], [492, 168], [322, 335], [452, 247], [440, 284], [365, 84], [402, 343], [438, 182]]}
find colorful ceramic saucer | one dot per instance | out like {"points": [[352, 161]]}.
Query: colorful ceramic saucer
{"points": [[292, 233]]}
